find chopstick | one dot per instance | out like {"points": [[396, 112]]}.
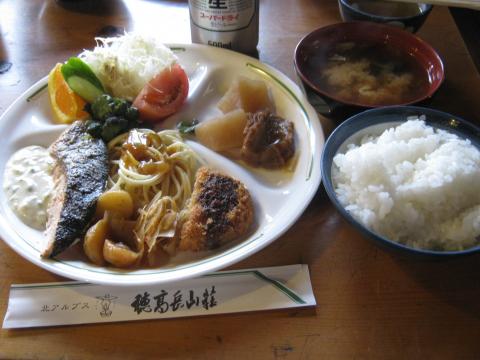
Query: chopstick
{"points": [[470, 4]]}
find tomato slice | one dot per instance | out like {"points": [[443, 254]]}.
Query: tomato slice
{"points": [[163, 95]]}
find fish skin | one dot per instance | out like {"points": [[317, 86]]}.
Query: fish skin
{"points": [[80, 173]]}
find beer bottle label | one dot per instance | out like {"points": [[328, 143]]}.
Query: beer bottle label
{"points": [[222, 15]]}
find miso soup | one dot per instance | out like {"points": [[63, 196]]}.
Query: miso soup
{"points": [[368, 74]]}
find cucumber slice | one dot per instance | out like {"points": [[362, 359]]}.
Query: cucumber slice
{"points": [[82, 79], [84, 88]]}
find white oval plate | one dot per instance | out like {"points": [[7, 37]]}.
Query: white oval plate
{"points": [[279, 197]]}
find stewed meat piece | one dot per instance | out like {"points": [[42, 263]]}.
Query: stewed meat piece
{"points": [[268, 141]]}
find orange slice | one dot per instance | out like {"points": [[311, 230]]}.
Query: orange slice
{"points": [[66, 105]]}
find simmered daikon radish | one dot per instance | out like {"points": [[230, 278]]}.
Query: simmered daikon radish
{"points": [[223, 132], [247, 94]]}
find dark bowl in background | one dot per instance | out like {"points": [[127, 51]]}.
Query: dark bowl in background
{"points": [[351, 12], [325, 38], [375, 121]]}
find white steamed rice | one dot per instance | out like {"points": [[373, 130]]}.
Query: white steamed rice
{"points": [[413, 184]]}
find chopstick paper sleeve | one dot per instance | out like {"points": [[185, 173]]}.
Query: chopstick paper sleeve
{"points": [[70, 303]]}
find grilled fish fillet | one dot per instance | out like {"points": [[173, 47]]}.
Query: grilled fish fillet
{"points": [[220, 210], [80, 175]]}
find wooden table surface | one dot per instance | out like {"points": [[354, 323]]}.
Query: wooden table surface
{"points": [[371, 303]]}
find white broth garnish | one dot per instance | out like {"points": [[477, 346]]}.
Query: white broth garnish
{"points": [[28, 184]]}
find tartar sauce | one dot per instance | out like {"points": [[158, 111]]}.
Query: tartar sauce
{"points": [[28, 184]]}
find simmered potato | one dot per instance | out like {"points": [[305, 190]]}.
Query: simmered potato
{"points": [[119, 254], [94, 240], [224, 132], [123, 231], [116, 201], [247, 94]]}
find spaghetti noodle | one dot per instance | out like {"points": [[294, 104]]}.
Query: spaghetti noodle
{"points": [[158, 170]]}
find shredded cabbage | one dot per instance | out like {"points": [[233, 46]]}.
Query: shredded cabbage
{"points": [[125, 64]]}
